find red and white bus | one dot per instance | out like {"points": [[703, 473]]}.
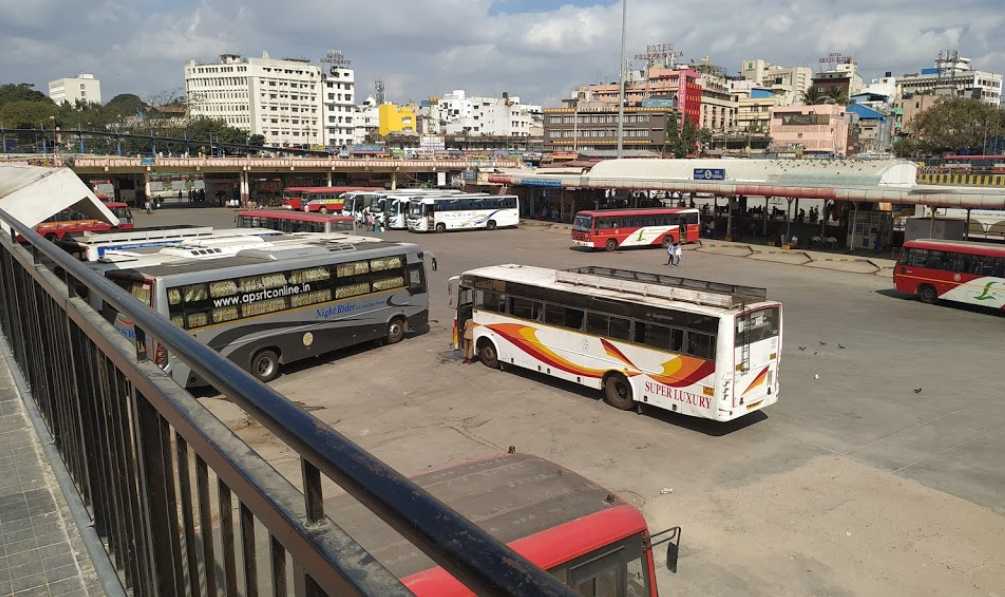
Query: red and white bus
{"points": [[123, 213], [959, 271], [68, 222], [292, 221], [613, 229], [318, 199], [589, 538]]}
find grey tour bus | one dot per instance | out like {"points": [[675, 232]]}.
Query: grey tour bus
{"points": [[269, 306]]}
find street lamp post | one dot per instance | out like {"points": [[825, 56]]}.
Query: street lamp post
{"points": [[621, 83]]}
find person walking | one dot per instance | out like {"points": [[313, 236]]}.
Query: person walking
{"points": [[670, 252]]}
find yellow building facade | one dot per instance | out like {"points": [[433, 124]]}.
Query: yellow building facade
{"points": [[395, 119]]}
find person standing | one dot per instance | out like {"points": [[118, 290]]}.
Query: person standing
{"points": [[678, 253], [670, 251], [469, 340]]}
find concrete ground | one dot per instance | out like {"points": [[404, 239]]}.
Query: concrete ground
{"points": [[878, 472]]}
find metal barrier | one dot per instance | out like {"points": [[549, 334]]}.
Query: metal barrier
{"points": [[132, 440]]}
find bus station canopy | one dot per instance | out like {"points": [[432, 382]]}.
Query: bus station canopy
{"points": [[33, 194], [891, 181]]}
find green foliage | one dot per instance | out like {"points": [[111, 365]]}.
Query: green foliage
{"points": [[27, 114], [955, 125], [680, 140], [21, 92], [815, 96]]}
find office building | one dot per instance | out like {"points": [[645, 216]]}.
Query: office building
{"points": [[793, 80], [953, 75], [83, 88], [819, 130], [677, 84], [338, 98], [456, 113], [396, 119], [366, 122], [593, 125], [280, 99]]}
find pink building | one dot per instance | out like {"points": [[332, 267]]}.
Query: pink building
{"points": [[821, 129]]}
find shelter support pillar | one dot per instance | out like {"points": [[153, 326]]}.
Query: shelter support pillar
{"points": [[329, 178], [931, 222], [764, 218], [966, 232], [729, 219], [788, 222], [823, 220], [853, 225], [146, 186], [394, 180]]}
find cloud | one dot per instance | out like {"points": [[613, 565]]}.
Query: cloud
{"points": [[536, 49]]}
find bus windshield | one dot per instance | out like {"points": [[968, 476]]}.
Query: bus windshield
{"points": [[583, 223]]}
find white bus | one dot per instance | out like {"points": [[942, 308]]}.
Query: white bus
{"points": [[397, 202], [463, 212], [688, 346], [92, 246]]}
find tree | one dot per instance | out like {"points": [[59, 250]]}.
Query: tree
{"points": [[256, 140], [21, 92], [813, 96], [679, 140], [836, 96], [956, 125]]}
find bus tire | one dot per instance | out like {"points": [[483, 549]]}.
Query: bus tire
{"points": [[487, 354], [927, 293], [491, 225], [395, 330], [612, 245], [618, 392], [265, 365], [441, 227]]}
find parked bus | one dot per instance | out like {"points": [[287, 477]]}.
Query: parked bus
{"points": [[698, 348], [292, 221], [463, 212], [123, 213], [585, 535], [92, 246], [69, 222], [356, 202], [269, 306], [958, 271], [319, 199], [613, 229], [396, 204]]}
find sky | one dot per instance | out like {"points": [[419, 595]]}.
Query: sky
{"points": [[538, 50]]}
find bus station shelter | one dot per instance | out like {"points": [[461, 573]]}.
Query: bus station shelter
{"points": [[33, 194]]}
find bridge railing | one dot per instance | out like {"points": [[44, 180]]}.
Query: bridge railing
{"points": [[182, 505]]}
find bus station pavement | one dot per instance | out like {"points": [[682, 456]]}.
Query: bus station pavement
{"points": [[41, 553], [878, 472]]}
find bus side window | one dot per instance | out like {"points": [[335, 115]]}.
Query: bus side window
{"points": [[917, 257], [962, 262], [597, 324], [620, 328], [701, 345], [935, 260], [650, 334], [416, 278], [523, 308]]}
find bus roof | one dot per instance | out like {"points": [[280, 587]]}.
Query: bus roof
{"points": [[957, 246], [288, 214], [299, 247], [454, 197], [510, 496], [649, 211], [711, 298]]}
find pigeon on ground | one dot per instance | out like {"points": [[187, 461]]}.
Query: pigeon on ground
{"points": [[802, 348], [917, 390]]}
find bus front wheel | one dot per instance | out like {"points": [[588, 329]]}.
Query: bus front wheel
{"points": [[441, 227], [395, 330], [927, 293], [487, 354], [618, 392], [491, 225], [611, 245], [265, 365]]}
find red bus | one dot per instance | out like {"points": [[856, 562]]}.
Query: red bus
{"points": [[123, 213], [69, 222], [589, 538], [320, 199], [291, 221], [959, 271], [612, 229]]}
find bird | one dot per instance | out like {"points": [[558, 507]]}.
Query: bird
{"points": [[822, 343], [802, 348], [841, 346], [917, 390]]}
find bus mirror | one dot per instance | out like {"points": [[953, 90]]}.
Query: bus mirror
{"points": [[671, 537]]}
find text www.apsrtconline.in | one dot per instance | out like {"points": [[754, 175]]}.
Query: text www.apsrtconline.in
{"points": [[261, 295]]}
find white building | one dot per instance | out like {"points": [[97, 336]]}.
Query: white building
{"points": [[459, 114], [280, 99], [83, 88], [793, 81], [366, 121], [339, 104], [953, 75]]}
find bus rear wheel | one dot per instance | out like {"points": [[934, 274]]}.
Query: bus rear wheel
{"points": [[265, 365], [487, 354], [927, 293], [618, 392], [611, 245], [395, 330], [441, 227], [491, 225]]}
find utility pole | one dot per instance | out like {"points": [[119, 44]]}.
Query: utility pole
{"points": [[621, 85]]}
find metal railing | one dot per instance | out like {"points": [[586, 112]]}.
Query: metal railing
{"points": [[133, 440]]}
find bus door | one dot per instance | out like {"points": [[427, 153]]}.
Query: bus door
{"points": [[462, 302]]}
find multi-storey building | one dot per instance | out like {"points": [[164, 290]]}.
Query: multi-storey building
{"points": [[338, 97], [366, 122], [393, 118], [753, 105], [456, 113], [718, 104], [677, 83], [953, 75], [591, 126], [83, 88], [820, 130], [794, 80], [280, 99]]}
